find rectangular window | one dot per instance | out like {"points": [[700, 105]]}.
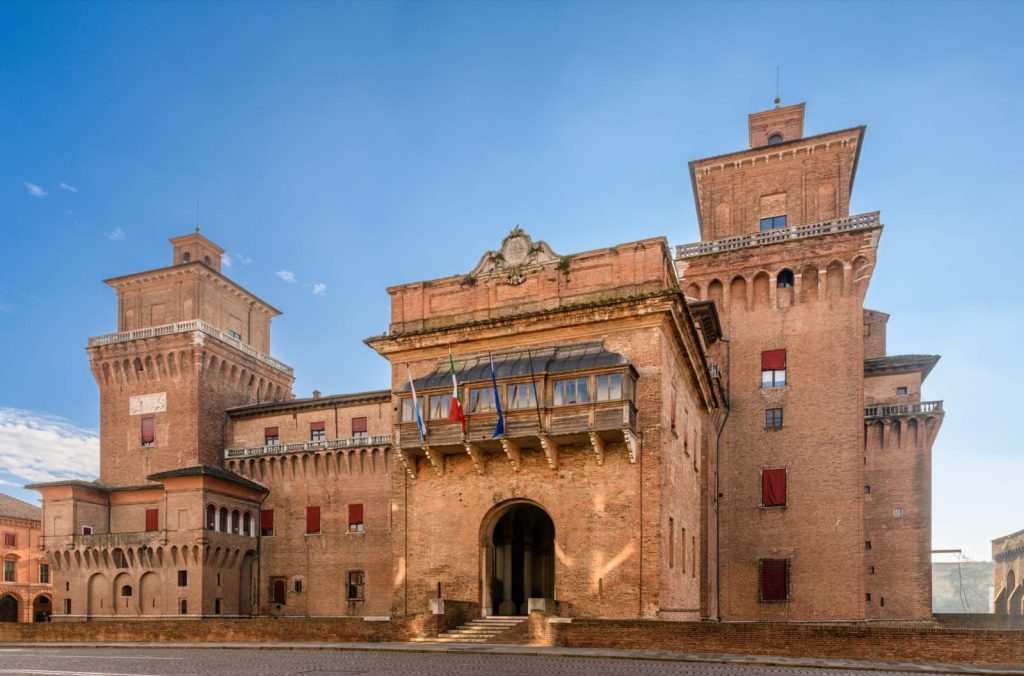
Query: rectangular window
{"points": [[481, 400], [298, 586], [44, 573], [406, 413], [182, 578], [9, 571], [773, 222], [152, 519], [774, 579], [897, 512], [672, 542], [867, 544], [359, 427], [312, 520], [773, 368], [440, 406], [235, 334], [772, 418], [867, 490], [901, 391], [148, 431], [683, 553], [67, 606], [277, 590], [356, 585], [86, 530], [271, 436], [609, 387], [266, 522], [317, 431], [355, 518], [10, 540], [773, 487], [521, 395], [572, 391]]}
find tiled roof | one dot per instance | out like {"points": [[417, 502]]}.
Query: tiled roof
{"points": [[14, 508]]}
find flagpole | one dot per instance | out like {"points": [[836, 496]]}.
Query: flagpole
{"points": [[536, 399]]}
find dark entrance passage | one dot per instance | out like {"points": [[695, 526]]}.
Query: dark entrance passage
{"points": [[8, 608], [523, 563]]}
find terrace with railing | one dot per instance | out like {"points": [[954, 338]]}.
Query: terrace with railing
{"points": [[833, 226], [895, 410], [309, 446], [186, 327]]}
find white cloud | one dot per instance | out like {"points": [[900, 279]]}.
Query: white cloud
{"points": [[243, 259], [68, 187], [319, 289], [286, 276], [225, 260], [41, 447], [35, 190], [115, 234]]}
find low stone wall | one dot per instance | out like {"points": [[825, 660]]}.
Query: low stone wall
{"points": [[979, 621], [255, 630], [911, 644]]}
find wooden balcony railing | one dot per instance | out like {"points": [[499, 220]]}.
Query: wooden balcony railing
{"points": [[309, 446], [911, 408]]}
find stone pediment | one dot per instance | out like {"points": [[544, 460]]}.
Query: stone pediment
{"points": [[517, 256]]}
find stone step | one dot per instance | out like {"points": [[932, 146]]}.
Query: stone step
{"points": [[480, 630]]}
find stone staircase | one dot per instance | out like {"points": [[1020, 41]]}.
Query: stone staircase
{"points": [[481, 630]]}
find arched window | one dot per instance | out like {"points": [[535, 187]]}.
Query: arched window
{"points": [[186, 257], [183, 607], [211, 517], [223, 520], [775, 139], [247, 524], [784, 280], [234, 521], [206, 260], [126, 590]]}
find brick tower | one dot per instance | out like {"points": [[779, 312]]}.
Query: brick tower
{"points": [[190, 344]]}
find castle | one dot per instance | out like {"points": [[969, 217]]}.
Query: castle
{"points": [[713, 431]]}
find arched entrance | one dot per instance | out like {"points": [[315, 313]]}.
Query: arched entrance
{"points": [[519, 558], [246, 589], [41, 608], [8, 608]]}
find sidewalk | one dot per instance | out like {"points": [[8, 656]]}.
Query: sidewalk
{"points": [[490, 649]]}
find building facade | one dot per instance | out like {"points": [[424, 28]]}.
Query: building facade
{"points": [[26, 592], [710, 432], [1008, 573]]}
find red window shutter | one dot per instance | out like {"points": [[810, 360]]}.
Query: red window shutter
{"points": [[773, 487], [358, 425], [312, 520], [152, 519], [266, 520], [148, 430], [774, 580], [317, 427], [270, 432], [355, 514], [773, 360], [10, 540]]}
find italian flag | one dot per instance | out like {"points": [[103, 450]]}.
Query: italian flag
{"points": [[455, 412]]}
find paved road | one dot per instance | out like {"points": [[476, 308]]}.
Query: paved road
{"points": [[172, 661]]}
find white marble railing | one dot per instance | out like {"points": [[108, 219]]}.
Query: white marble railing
{"points": [[309, 446], [883, 410], [847, 224]]}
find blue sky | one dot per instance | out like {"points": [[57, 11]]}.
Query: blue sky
{"points": [[363, 145]]}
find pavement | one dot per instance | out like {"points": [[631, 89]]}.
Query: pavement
{"points": [[414, 659]]}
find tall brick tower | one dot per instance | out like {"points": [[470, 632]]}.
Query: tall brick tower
{"points": [[789, 267], [190, 344]]}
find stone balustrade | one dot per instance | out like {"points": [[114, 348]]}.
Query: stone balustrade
{"points": [[895, 410], [309, 446]]}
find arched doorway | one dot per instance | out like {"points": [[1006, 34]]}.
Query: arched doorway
{"points": [[519, 558], [41, 608], [246, 589], [8, 608]]}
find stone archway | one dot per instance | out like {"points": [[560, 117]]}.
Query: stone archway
{"points": [[9, 607], [518, 539], [42, 608], [246, 587]]}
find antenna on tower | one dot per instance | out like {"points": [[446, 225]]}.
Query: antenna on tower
{"points": [[197, 215], [778, 99]]}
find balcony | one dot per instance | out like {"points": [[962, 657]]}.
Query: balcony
{"points": [[834, 226], [187, 327], [309, 446], [107, 540], [908, 409]]}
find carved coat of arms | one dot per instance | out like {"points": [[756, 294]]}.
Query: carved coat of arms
{"points": [[518, 253]]}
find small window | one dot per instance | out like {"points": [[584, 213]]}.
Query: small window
{"points": [[867, 490], [44, 573], [183, 607], [773, 418], [206, 259], [440, 406], [182, 578], [521, 395], [86, 530], [784, 280], [775, 139], [186, 257], [317, 431], [867, 597], [481, 400], [356, 585], [773, 368], [11, 540], [152, 520], [278, 590], [871, 570], [9, 571], [148, 432], [901, 391], [312, 520], [266, 522], [774, 580], [609, 387], [773, 223], [271, 436], [897, 512], [67, 606], [216, 606], [235, 334], [355, 518], [298, 586], [359, 428], [773, 487], [572, 391], [867, 544], [126, 590]]}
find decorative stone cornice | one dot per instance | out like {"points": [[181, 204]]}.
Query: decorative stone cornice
{"points": [[517, 256]]}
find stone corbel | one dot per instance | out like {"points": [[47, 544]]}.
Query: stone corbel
{"points": [[511, 449], [477, 456], [598, 444], [633, 444], [550, 451], [436, 460], [409, 461]]}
